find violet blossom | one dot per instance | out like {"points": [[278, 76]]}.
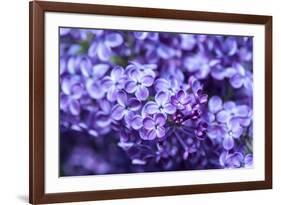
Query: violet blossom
{"points": [[134, 101]]}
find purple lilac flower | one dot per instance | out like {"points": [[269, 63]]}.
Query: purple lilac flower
{"points": [[234, 160], [154, 101], [171, 73], [164, 85], [181, 100], [242, 78], [114, 83], [102, 119], [143, 69], [64, 31], [188, 41], [125, 107], [226, 46], [137, 122], [228, 120], [93, 82], [138, 83], [165, 52], [219, 72], [85, 159], [103, 44], [198, 64], [72, 91], [146, 35], [160, 105], [154, 127], [248, 160]]}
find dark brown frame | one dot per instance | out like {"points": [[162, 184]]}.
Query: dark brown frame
{"points": [[37, 9]]}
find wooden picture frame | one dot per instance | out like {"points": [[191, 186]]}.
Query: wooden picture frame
{"points": [[37, 10]]}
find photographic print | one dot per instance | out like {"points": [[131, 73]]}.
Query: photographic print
{"points": [[128, 102], [137, 101]]}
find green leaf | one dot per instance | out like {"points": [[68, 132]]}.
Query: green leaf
{"points": [[84, 46], [118, 60]]}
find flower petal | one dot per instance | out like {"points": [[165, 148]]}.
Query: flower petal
{"points": [[74, 107], [236, 81], [151, 135], [160, 132], [229, 106], [223, 116], [195, 84], [66, 86], [74, 49], [161, 98], [181, 95], [237, 133], [122, 98], [137, 122], [85, 66], [241, 111], [113, 40], [234, 160], [93, 133], [130, 86], [248, 84], [231, 46], [112, 94], [218, 73], [140, 35], [102, 119], [147, 80], [103, 52], [93, 49], [216, 132], [77, 91], [134, 73], [64, 31], [150, 107], [117, 73], [169, 108], [229, 72], [165, 52], [128, 117], [94, 89], [248, 160], [148, 123], [117, 112], [142, 93], [210, 117], [160, 119], [228, 142], [161, 84], [234, 124], [64, 100], [153, 36], [188, 41], [138, 162], [175, 101], [215, 104], [62, 65], [222, 158], [203, 98], [245, 121], [134, 104], [105, 106], [107, 83], [99, 70], [240, 69]]}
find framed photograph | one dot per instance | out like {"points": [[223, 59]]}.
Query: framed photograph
{"points": [[139, 102]]}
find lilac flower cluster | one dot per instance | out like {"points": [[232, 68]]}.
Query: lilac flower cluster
{"points": [[149, 101]]}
